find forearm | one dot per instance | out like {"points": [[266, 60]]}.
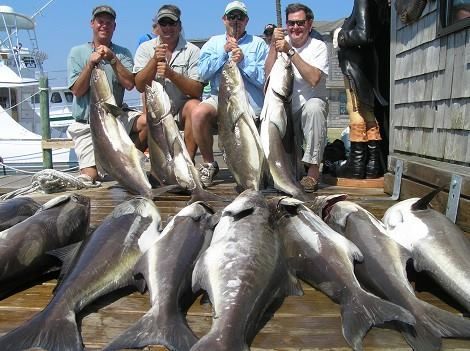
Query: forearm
{"points": [[187, 86], [82, 84], [309, 73], [124, 76], [146, 75]]}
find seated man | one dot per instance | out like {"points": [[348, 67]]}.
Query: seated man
{"points": [[249, 52], [117, 63], [309, 99]]}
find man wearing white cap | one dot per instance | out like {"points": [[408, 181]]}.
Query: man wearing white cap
{"points": [[171, 57], [249, 52]]}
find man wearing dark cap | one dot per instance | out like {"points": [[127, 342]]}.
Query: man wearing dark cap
{"points": [[171, 57], [117, 62], [268, 32], [249, 53]]}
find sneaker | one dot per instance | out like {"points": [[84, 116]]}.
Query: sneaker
{"points": [[207, 172], [309, 184]]}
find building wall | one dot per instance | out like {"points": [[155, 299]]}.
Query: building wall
{"points": [[430, 110]]}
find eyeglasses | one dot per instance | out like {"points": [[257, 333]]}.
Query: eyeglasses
{"points": [[168, 23], [239, 17], [299, 23]]}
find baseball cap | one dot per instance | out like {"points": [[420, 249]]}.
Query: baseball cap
{"points": [[236, 5], [269, 29], [171, 12], [103, 9]]}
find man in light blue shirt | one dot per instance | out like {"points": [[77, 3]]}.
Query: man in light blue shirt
{"points": [[249, 52]]}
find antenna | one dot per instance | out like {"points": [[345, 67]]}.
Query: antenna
{"points": [[42, 8]]}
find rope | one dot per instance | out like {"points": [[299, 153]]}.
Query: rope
{"points": [[19, 103], [75, 168], [51, 181]]}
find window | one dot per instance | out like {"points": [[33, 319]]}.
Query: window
{"points": [[56, 98], [342, 103], [454, 15], [68, 96]]}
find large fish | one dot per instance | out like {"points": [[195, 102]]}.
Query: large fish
{"points": [[325, 259], [168, 278], [104, 263], [437, 246], [244, 272], [15, 210], [275, 117], [59, 222], [239, 139], [383, 271], [169, 158], [114, 150]]}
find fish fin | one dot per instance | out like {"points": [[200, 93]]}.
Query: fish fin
{"points": [[294, 288], [362, 312], [54, 202], [432, 324], [353, 251], [45, 333], [423, 203], [163, 189], [116, 111], [199, 194], [66, 255], [172, 332]]}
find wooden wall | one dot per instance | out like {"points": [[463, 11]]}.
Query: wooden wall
{"points": [[431, 90]]}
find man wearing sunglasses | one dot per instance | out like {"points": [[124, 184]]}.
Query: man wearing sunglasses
{"points": [[117, 63], [249, 52], [171, 58], [309, 58]]}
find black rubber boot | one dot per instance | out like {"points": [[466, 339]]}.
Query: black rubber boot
{"points": [[355, 166], [375, 163]]}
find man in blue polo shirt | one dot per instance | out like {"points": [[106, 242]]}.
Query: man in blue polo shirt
{"points": [[117, 63], [249, 52]]}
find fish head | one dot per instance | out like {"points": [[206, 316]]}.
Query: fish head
{"points": [[403, 224], [246, 203], [321, 205], [157, 101], [281, 78], [284, 206], [230, 80]]}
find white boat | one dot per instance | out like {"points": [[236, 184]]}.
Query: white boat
{"points": [[20, 123]]}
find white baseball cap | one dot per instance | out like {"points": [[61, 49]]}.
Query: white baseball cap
{"points": [[236, 5]]}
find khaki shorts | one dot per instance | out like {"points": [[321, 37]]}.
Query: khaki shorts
{"points": [[81, 136]]}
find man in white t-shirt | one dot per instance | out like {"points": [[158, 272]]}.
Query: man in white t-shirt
{"points": [[309, 98]]}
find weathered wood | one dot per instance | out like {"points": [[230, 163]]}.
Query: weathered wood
{"points": [[57, 144]]}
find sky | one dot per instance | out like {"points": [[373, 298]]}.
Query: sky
{"points": [[66, 23]]}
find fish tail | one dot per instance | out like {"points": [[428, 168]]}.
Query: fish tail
{"points": [[45, 333], [173, 333], [362, 312], [432, 324], [200, 194]]}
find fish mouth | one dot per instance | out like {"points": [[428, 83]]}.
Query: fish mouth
{"points": [[326, 210]]}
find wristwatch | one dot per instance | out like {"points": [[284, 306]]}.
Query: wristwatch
{"points": [[291, 52], [113, 61]]}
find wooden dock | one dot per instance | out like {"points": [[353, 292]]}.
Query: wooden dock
{"points": [[310, 322]]}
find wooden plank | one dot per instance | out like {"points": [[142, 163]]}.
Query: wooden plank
{"points": [[432, 172], [57, 144]]}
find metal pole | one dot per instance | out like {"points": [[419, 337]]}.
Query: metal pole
{"points": [[45, 126]]}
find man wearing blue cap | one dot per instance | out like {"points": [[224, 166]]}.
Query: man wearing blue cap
{"points": [[249, 52]]}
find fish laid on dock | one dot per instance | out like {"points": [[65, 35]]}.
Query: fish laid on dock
{"points": [[62, 221], [383, 272], [104, 263], [16, 210], [325, 260]]}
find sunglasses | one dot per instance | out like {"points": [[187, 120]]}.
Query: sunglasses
{"points": [[299, 23], [239, 17], [168, 23]]}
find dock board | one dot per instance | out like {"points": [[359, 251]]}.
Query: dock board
{"points": [[310, 322]]}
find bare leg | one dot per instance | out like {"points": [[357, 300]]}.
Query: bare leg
{"points": [[139, 132], [186, 113], [203, 118], [91, 172]]}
